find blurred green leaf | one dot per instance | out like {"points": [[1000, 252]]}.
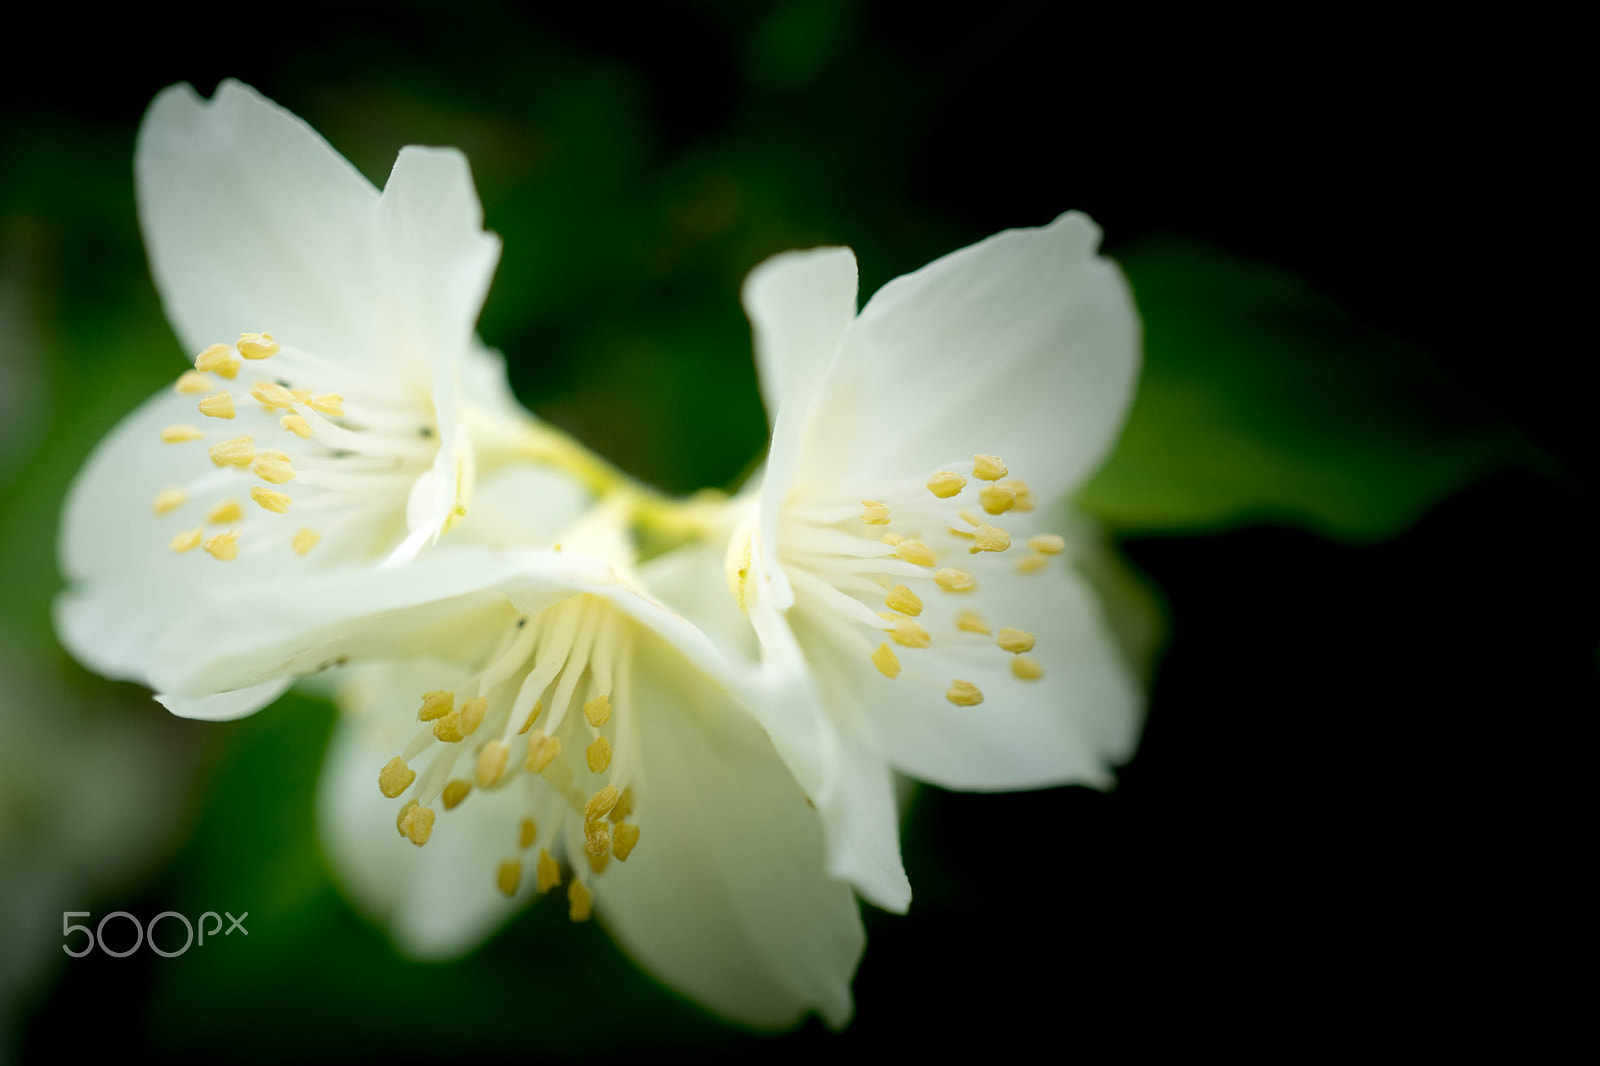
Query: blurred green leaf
{"points": [[1262, 401]]}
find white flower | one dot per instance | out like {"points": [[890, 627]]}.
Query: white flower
{"points": [[911, 611]]}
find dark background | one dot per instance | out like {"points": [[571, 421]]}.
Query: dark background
{"points": [[1347, 823]]}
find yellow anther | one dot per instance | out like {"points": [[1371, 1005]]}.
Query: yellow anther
{"points": [[1027, 668], [527, 833], [971, 517], [217, 405], [257, 345], [276, 502], [296, 424], [904, 600], [218, 359], [906, 632], [405, 813], [508, 876], [223, 546], [944, 484], [271, 394], [916, 553], [997, 499], [1015, 641], [329, 403], [601, 803], [192, 382], [472, 712], [624, 838], [418, 824], [436, 704], [580, 904], [236, 451], [448, 728], [598, 863], [971, 622], [598, 710], [964, 534], [952, 580], [546, 872], [886, 661], [599, 755], [395, 777], [179, 434], [964, 694], [989, 538], [533, 716], [492, 763], [1025, 500], [454, 792], [597, 837], [188, 540], [1048, 544], [988, 467], [273, 470], [1032, 563], [169, 500], [542, 751], [224, 512], [300, 395], [874, 513], [304, 541]]}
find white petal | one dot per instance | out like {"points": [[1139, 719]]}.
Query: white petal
{"points": [[725, 897], [521, 506], [1025, 345], [225, 706]]}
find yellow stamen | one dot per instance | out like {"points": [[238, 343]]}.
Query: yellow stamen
{"points": [[224, 512], [492, 763], [168, 500], [1015, 641], [271, 394], [580, 904], [542, 751], [257, 345], [988, 467], [472, 712], [874, 513], [395, 777], [1032, 563], [886, 661], [296, 424], [329, 403], [623, 840], [990, 539], [598, 863], [188, 540], [547, 872], [448, 728], [419, 825], [217, 405], [906, 632], [236, 451], [971, 517], [597, 837], [916, 553], [599, 755], [405, 814], [964, 694], [997, 499], [1048, 544], [952, 580], [300, 395], [533, 716], [1026, 668], [624, 805], [904, 600], [180, 434], [971, 622], [273, 471], [191, 382], [436, 704], [508, 877], [1025, 500], [277, 502], [527, 833], [219, 360], [454, 792], [964, 534], [601, 803], [944, 484], [891, 539], [223, 546], [304, 541], [598, 710]]}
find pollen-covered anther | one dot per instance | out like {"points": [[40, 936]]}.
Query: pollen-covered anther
{"points": [[964, 694], [327, 403], [533, 716], [395, 777], [997, 499], [906, 632], [217, 405], [542, 751], [546, 871], [169, 500], [448, 728], [972, 622], [188, 540], [598, 863], [598, 755], [454, 792], [891, 539], [597, 837], [436, 704], [300, 395], [887, 662], [223, 546], [598, 710], [304, 541], [403, 815], [916, 553], [235, 451], [271, 394], [580, 903], [1032, 563], [988, 467], [1048, 544], [277, 502], [180, 434], [903, 600], [527, 833], [952, 580], [492, 761], [624, 805], [601, 803], [1015, 641], [1027, 668], [192, 382], [218, 359], [989, 538], [509, 876], [874, 513], [945, 484], [224, 512], [418, 824], [257, 345], [472, 712], [296, 424], [624, 838]]}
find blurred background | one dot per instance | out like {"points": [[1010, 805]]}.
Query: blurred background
{"points": [[1357, 484]]}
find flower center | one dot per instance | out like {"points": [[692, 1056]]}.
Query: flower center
{"points": [[343, 460], [568, 671]]}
